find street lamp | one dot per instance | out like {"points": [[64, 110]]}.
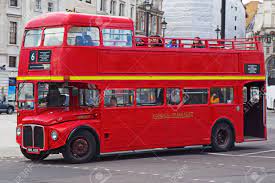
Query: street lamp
{"points": [[148, 7], [218, 30], [163, 26]]}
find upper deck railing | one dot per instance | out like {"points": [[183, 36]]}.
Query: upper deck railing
{"points": [[245, 44]]}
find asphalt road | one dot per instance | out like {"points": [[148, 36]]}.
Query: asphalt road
{"points": [[247, 163]]}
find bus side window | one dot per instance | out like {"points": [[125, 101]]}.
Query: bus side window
{"points": [[89, 98], [195, 96], [245, 97], [150, 97], [173, 96], [53, 36], [117, 37], [118, 98], [83, 36], [221, 95]]}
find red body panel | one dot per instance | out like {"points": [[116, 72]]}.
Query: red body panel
{"points": [[130, 128]]}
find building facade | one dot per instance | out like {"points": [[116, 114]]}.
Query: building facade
{"points": [[14, 14], [155, 17], [125, 8], [195, 18]]}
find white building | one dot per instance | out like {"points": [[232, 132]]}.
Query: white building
{"points": [[14, 14], [125, 8], [192, 18]]}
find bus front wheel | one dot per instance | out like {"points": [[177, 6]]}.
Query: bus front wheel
{"points": [[80, 148], [222, 137], [34, 157]]}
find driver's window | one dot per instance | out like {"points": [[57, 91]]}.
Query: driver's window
{"points": [[89, 97], [245, 94], [254, 94]]}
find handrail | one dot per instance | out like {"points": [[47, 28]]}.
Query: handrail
{"points": [[243, 44]]}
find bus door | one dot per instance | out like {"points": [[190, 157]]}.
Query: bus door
{"points": [[254, 111]]}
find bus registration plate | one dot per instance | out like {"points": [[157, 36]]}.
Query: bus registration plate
{"points": [[33, 150]]}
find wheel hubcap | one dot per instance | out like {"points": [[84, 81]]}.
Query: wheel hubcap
{"points": [[222, 137], [80, 147]]}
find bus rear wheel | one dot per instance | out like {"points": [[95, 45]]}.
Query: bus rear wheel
{"points": [[222, 137], [34, 157], [80, 148]]}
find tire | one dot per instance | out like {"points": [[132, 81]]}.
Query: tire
{"points": [[80, 148], [10, 110], [222, 137], [34, 157]]}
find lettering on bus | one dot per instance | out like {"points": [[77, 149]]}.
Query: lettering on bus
{"points": [[177, 115], [44, 55]]}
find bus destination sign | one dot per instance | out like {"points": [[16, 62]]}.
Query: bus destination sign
{"points": [[252, 68], [44, 55]]}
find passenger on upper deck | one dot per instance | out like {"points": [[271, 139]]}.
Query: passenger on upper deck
{"points": [[197, 43], [173, 44], [155, 41]]}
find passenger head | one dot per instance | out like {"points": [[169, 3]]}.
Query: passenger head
{"points": [[197, 40], [113, 102], [79, 41]]}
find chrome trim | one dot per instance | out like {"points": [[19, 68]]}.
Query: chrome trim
{"points": [[32, 126]]}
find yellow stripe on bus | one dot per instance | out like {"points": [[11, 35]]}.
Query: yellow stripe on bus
{"points": [[138, 78], [37, 78], [161, 78]]}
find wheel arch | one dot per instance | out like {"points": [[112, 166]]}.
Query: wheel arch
{"points": [[89, 129], [227, 121]]}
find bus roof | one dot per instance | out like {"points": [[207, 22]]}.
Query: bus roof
{"points": [[65, 18]]}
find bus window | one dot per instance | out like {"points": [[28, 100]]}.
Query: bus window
{"points": [[254, 95], [222, 95], [118, 98], [173, 96], [195, 96], [150, 97], [32, 38], [26, 96], [245, 94], [117, 37], [83, 36], [53, 36], [89, 98], [52, 95]]}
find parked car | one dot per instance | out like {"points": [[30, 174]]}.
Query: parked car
{"points": [[6, 108]]}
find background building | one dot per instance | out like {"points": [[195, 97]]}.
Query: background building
{"points": [[125, 8], [194, 18], [14, 14], [155, 17]]}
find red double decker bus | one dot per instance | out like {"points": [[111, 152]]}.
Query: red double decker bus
{"points": [[87, 85]]}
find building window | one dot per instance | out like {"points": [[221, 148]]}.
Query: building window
{"points": [[235, 18], [121, 9], [113, 7], [141, 23], [13, 3], [38, 4], [132, 12], [89, 1], [13, 32], [235, 27], [12, 61], [268, 50], [103, 5], [50, 7]]}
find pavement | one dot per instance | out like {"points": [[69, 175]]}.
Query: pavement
{"points": [[248, 163]]}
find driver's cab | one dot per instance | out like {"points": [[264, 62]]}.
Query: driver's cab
{"points": [[44, 96]]}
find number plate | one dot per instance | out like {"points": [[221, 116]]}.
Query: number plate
{"points": [[33, 150]]}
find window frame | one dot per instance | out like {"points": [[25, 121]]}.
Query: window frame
{"points": [[43, 36], [196, 88], [110, 28], [68, 28], [118, 107], [41, 39], [151, 106], [221, 87], [181, 96], [14, 33], [10, 4], [13, 56]]}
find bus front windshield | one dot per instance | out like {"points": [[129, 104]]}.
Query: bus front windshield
{"points": [[53, 95]]}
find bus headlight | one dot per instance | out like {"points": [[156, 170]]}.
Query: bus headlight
{"points": [[54, 135], [18, 131]]}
